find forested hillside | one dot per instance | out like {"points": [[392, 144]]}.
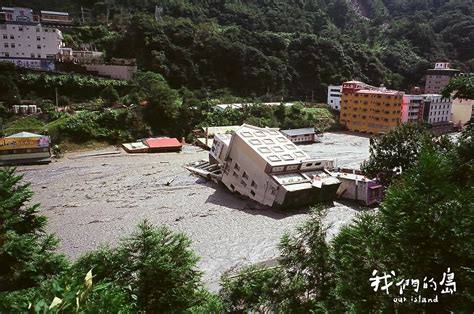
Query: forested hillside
{"points": [[280, 48]]}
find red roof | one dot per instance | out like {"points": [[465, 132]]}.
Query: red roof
{"points": [[163, 143]]}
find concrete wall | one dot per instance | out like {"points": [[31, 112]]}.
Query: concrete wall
{"points": [[462, 111], [120, 72]]}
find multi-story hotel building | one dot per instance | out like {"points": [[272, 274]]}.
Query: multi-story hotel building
{"points": [[368, 109], [25, 42], [438, 78]]}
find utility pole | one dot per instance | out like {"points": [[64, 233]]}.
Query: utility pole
{"points": [[82, 13], [56, 92]]}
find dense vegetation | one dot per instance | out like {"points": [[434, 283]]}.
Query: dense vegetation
{"points": [[280, 48], [116, 111]]}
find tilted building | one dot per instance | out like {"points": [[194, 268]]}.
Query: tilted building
{"points": [[265, 166]]}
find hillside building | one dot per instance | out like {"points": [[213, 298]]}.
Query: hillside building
{"points": [[334, 96], [25, 42], [368, 109], [438, 78]]}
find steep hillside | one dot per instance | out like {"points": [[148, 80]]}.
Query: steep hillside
{"points": [[289, 49]]}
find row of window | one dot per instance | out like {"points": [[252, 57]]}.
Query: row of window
{"points": [[375, 96], [438, 119], [12, 45], [38, 29], [32, 55], [38, 38], [438, 113]]}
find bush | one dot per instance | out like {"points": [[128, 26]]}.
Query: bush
{"points": [[27, 254]]}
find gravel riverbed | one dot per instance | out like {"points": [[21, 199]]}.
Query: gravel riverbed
{"points": [[92, 199]]}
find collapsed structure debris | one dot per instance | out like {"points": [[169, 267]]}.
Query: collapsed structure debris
{"points": [[154, 145], [356, 186], [265, 166]]}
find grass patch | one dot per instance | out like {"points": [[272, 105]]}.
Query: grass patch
{"points": [[25, 124], [69, 147]]}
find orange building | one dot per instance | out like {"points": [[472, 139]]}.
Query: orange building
{"points": [[368, 109]]}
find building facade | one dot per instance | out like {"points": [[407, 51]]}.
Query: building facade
{"points": [[412, 108], [25, 42], [438, 78], [334, 96], [370, 110]]}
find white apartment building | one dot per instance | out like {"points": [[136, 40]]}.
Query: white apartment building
{"points": [[334, 96], [412, 108], [27, 43], [436, 108]]}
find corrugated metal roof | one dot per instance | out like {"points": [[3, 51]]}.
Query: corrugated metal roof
{"points": [[163, 143], [24, 134], [302, 131], [54, 12]]}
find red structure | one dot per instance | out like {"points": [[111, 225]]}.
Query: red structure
{"points": [[157, 145]]}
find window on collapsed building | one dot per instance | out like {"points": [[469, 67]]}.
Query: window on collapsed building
{"points": [[252, 192], [254, 185], [235, 174], [237, 167], [232, 187], [245, 175], [243, 183]]}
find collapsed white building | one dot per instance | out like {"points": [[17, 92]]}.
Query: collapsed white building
{"points": [[265, 166]]}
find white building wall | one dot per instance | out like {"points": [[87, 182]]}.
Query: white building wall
{"points": [[29, 41], [120, 72], [334, 96], [244, 173], [440, 108]]}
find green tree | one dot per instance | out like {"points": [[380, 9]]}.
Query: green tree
{"points": [[398, 148], [156, 264], [462, 87], [110, 95], [27, 253]]}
